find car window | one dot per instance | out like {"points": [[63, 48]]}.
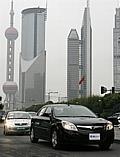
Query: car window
{"points": [[41, 112], [48, 110]]}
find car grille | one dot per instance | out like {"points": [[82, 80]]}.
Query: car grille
{"points": [[90, 127], [20, 124]]}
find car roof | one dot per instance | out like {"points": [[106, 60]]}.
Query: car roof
{"points": [[57, 105], [17, 112]]}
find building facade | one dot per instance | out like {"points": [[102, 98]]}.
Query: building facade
{"points": [[116, 51], [86, 55], [32, 72], [73, 65]]}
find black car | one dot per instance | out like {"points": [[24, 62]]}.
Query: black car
{"points": [[1, 115], [114, 118], [71, 124]]}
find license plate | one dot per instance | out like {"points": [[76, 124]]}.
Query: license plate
{"points": [[21, 128], [94, 136]]}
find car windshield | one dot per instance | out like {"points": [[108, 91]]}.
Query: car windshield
{"points": [[73, 111], [18, 116]]}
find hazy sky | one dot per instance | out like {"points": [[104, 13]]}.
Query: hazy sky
{"points": [[62, 16]]}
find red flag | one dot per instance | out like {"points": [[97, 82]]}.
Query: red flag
{"points": [[82, 79]]}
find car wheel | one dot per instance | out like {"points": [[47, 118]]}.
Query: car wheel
{"points": [[33, 139], [105, 146], [55, 139]]}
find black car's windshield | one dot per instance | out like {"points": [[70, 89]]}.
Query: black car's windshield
{"points": [[18, 115], [73, 111]]}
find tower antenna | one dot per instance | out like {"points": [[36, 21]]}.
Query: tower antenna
{"points": [[118, 3], [46, 4], [46, 10], [88, 3], [11, 14]]}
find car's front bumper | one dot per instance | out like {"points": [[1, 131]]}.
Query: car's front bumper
{"points": [[83, 137], [25, 130]]}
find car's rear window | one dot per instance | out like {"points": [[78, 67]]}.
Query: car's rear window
{"points": [[18, 116]]}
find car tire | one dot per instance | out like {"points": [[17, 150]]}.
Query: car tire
{"points": [[55, 139], [33, 139], [105, 146]]}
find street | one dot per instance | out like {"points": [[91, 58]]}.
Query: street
{"points": [[20, 146]]}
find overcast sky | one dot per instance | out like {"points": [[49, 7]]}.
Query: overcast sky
{"points": [[62, 16]]}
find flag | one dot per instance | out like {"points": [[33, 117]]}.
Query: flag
{"points": [[82, 79]]}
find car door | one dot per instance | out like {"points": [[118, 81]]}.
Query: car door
{"points": [[44, 124], [37, 123]]}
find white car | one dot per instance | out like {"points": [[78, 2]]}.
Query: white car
{"points": [[17, 122]]}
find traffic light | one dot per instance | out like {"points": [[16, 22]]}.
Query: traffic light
{"points": [[103, 90], [113, 90], [0, 98]]}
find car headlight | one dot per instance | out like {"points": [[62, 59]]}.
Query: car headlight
{"points": [[69, 126], [9, 124], [109, 126]]}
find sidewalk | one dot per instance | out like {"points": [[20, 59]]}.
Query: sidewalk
{"points": [[117, 135]]}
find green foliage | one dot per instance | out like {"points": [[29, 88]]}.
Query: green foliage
{"points": [[104, 106]]}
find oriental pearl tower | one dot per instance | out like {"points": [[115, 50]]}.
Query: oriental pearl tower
{"points": [[10, 87]]}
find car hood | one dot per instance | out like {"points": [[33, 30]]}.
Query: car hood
{"points": [[84, 120]]}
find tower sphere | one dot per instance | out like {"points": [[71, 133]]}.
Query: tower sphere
{"points": [[10, 87], [11, 33]]}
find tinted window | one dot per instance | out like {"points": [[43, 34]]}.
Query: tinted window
{"points": [[73, 111], [48, 110], [41, 111]]}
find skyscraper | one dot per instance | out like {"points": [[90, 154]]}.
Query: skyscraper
{"points": [[86, 54], [116, 50], [73, 65], [32, 74], [10, 87]]}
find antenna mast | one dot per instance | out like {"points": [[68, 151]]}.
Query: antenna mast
{"points": [[11, 14], [88, 3], [118, 3]]}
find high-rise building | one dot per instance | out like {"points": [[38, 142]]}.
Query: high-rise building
{"points": [[73, 65], [116, 50], [86, 54], [10, 87], [32, 75]]}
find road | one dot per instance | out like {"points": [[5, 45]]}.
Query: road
{"points": [[20, 146]]}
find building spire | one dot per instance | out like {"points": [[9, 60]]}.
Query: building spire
{"points": [[11, 14], [88, 3], [118, 3], [46, 4], [46, 10]]}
